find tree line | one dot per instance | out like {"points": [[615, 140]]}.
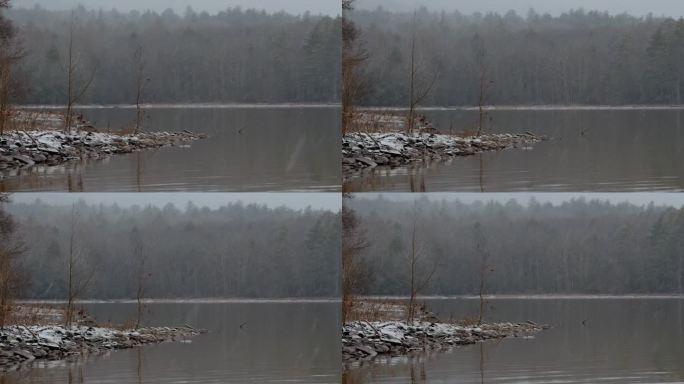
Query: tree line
{"points": [[110, 252], [578, 57], [578, 247], [233, 56], [11, 53]]}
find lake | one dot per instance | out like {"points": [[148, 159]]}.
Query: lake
{"points": [[279, 341], [607, 340], [591, 150], [250, 148]]}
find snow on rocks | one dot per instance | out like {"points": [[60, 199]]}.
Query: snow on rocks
{"points": [[52, 146], [395, 149], [23, 344], [363, 340]]}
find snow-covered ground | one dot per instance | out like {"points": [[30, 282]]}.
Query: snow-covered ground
{"points": [[378, 138], [39, 138], [379, 327], [23, 344], [394, 149], [368, 339]]}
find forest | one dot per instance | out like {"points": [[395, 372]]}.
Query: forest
{"points": [[577, 247], [238, 55], [577, 58], [108, 252]]}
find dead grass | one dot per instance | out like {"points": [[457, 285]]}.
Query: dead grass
{"points": [[381, 310], [29, 121], [468, 321], [24, 121], [125, 326], [395, 310], [377, 122], [35, 314], [394, 121]]}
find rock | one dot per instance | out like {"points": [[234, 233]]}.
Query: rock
{"points": [[24, 354], [38, 158], [370, 150], [365, 340], [367, 350], [24, 159], [368, 162], [52, 147]]}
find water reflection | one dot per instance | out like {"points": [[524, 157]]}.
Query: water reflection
{"points": [[636, 340], [248, 149], [249, 342], [590, 150]]}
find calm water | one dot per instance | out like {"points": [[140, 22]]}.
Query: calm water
{"points": [[280, 342], [621, 341], [590, 150], [257, 148]]}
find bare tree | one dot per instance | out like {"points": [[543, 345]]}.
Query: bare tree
{"points": [[479, 56], [418, 280], [485, 268], [10, 249], [418, 89], [355, 274], [141, 274], [75, 91], [141, 80], [10, 53], [78, 280], [353, 57]]}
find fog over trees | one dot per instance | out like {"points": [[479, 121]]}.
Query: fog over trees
{"points": [[237, 250], [578, 57], [232, 56], [580, 246], [10, 53]]}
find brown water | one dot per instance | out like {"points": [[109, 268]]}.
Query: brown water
{"points": [[608, 150], [250, 148], [592, 341], [279, 342]]}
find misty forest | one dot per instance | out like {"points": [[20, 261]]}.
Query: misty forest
{"points": [[232, 56], [578, 247], [579, 57], [246, 251]]}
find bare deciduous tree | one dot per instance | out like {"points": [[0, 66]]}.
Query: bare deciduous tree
{"points": [[485, 268], [354, 272], [78, 276], [419, 279], [419, 89], [10, 53], [75, 91], [141, 80], [10, 249], [353, 57], [479, 57], [141, 274]]}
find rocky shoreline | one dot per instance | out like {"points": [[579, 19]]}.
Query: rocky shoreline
{"points": [[365, 340], [361, 151], [40, 141], [23, 345]]}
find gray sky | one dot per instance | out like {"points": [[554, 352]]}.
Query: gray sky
{"points": [[328, 7], [671, 199], [329, 201], [674, 8]]}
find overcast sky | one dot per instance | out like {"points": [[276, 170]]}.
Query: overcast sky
{"points": [[329, 201], [674, 8], [671, 199], [327, 7]]}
